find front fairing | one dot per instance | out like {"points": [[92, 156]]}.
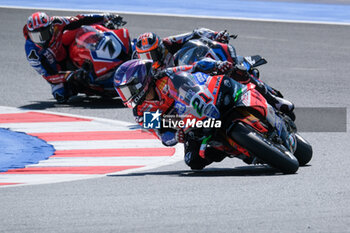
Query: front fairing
{"points": [[104, 49], [88, 37], [192, 100], [102, 45]]}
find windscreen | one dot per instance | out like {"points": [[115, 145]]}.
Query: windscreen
{"points": [[88, 38], [192, 51]]}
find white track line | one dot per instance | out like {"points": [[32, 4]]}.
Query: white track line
{"points": [[99, 161], [60, 127], [106, 144]]}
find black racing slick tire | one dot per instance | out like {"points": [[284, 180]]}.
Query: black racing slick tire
{"points": [[304, 150], [257, 145]]}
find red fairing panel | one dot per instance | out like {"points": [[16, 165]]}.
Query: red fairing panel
{"points": [[104, 59]]}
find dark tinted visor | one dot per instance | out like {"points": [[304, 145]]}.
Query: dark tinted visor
{"points": [[151, 55], [129, 91], [42, 36]]}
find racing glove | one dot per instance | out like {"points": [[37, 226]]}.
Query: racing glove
{"points": [[113, 21], [223, 37], [224, 66], [158, 74], [79, 75]]}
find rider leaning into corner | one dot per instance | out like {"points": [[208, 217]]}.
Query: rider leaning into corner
{"points": [[149, 46], [46, 46], [161, 51], [144, 90]]}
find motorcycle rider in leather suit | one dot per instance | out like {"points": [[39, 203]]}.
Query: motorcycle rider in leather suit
{"points": [[46, 46], [144, 90], [161, 51]]}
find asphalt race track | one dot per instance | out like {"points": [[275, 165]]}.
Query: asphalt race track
{"points": [[309, 63]]}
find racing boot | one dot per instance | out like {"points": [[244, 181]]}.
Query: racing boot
{"points": [[214, 155], [192, 158], [281, 104], [284, 105]]}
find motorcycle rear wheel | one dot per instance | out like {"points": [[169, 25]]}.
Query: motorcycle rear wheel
{"points": [[304, 150], [257, 145]]}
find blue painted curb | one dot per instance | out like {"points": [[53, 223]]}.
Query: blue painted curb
{"points": [[20, 149]]}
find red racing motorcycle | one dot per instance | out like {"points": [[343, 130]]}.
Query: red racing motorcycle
{"points": [[235, 119], [98, 51]]}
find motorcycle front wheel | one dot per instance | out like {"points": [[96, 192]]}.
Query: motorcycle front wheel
{"points": [[256, 144]]}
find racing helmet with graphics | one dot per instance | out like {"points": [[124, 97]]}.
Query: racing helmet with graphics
{"points": [[132, 81], [39, 28], [149, 46]]}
